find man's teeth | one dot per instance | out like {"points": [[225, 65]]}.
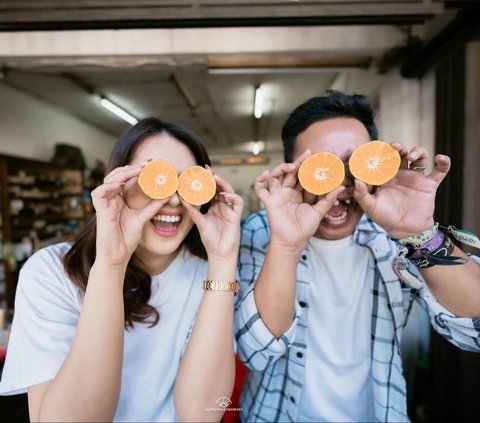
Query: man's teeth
{"points": [[166, 218], [343, 215], [337, 202]]}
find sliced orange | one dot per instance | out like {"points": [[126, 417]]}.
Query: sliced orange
{"points": [[374, 163], [158, 179], [321, 173], [196, 185]]}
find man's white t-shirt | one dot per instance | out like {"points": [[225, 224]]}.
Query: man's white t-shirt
{"points": [[338, 381], [47, 308]]}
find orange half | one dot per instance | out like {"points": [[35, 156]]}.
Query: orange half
{"points": [[196, 185], [158, 179], [321, 173], [375, 162]]}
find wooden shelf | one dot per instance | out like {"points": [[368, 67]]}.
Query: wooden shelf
{"points": [[39, 201]]}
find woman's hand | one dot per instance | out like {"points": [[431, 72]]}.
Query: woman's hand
{"points": [[292, 220], [405, 204], [119, 228], [219, 228]]}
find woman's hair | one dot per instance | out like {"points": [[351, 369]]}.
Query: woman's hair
{"points": [[333, 104], [137, 285]]}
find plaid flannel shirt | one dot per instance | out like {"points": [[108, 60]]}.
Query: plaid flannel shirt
{"points": [[274, 384]]}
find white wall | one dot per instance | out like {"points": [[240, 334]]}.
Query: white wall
{"points": [[30, 128], [242, 178], [407, 110], [406, 107]]}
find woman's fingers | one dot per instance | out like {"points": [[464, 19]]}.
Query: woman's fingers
{"points": [[124, 173], [222, 184], [107, 191], [194, 212], [234, 201], [151, 209]]}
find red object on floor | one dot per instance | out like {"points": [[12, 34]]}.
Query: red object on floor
{"points": [[240, 373]]}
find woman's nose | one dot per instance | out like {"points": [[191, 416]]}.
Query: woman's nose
{"points": [[174, 200]]}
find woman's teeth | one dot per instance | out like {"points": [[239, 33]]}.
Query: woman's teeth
{"points": [[166, 218]]}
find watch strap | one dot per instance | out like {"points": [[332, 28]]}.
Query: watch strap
{"points": [[216, 285]]}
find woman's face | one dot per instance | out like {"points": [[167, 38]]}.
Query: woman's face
{"points": [[164, 233]]}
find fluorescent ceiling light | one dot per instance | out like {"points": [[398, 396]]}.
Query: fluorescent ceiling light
{"points": [[255, 148], [282, 70], [118, 111], [258, 105]]}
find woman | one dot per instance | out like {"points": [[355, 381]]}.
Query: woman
{"points": [[117, 325]]}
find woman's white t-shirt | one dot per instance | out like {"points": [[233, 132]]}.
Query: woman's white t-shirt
{"points": [[47, 308]]}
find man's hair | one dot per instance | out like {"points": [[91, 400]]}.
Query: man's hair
{"points": [[333, 104]]}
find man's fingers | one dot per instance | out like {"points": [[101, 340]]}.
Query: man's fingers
{"points": [[402, 150], [361, 195], [324, 204], [442, 166]]}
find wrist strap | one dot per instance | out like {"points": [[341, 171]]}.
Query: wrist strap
{"points": [[419, 239], [429, 248]]}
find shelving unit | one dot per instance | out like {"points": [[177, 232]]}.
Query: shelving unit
{"points": [[41, 204]]}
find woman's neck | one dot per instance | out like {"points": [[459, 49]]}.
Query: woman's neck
{"points": [[155, 264]]}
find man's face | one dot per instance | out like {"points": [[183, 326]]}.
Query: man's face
{"points": [[340, 136]]}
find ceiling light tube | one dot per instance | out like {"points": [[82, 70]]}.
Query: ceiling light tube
{"points": [[255, 148], [258, 103], [118, 111]]}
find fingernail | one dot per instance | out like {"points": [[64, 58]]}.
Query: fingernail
{"points": [[413, 155]]}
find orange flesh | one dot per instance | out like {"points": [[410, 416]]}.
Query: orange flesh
{"points": [[196, 185], [158, 179], [374, 163], [321, 173]]}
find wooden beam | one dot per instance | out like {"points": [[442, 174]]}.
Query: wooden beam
{"points": [[44, 15]]}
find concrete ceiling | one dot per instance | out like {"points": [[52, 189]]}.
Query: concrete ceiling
{"points": [[198, 62]]}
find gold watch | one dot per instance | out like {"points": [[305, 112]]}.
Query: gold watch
{"points": [[213, 285]]}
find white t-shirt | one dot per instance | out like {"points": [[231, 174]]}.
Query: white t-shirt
{"points": [[338, 381], [47, 308]]}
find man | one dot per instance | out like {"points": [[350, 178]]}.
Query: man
{"points": [[322, 309]]}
